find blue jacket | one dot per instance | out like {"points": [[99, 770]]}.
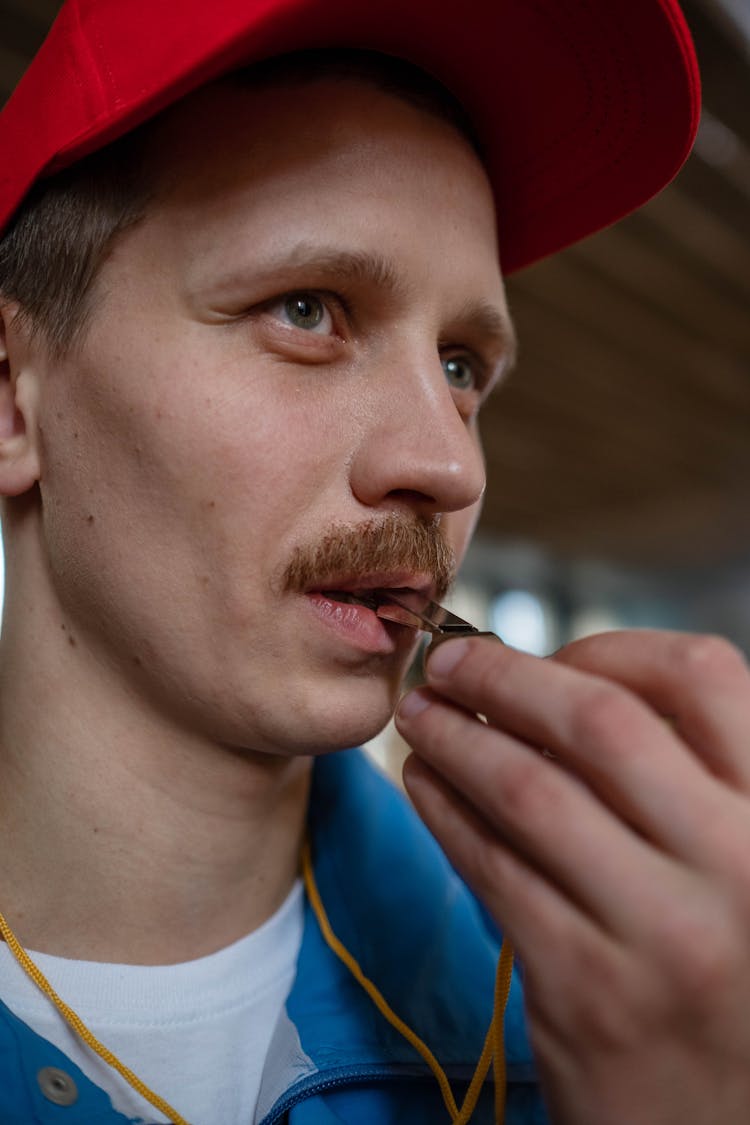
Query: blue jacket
{"points": [[416, 931]]}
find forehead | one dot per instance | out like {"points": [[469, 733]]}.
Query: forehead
{"points": [[290, 90], [295, 123], [334, 159]]}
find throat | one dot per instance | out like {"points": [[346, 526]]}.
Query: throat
{"points": [[141, 878]]}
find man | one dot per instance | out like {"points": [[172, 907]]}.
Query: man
{"points": [[251, 310]]}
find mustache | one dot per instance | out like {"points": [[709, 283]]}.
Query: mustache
{"points": [[389, 544]]}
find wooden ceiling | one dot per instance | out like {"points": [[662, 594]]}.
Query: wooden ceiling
{"points": [[624, 433]]}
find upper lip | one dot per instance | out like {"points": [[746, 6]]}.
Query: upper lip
{"points": [[377, 580]]}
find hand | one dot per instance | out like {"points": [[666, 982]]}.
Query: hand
{"points": [[619, 867]]}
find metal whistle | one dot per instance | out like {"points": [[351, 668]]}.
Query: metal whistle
{"points": [[415, 610]]}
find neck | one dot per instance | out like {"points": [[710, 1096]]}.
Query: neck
{"points": [[124, 838]]}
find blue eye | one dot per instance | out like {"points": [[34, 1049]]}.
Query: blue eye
{"points": [[459, 372]]}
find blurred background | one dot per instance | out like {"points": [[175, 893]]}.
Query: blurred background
{"points": [[619, 451]]}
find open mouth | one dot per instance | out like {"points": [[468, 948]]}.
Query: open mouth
{"points": [[405, 606], [374, 608], [370, 599], [400, 605], [359, 616], [375, 590]]}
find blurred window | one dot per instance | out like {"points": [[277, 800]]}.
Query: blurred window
{"points": [[524, 620]]}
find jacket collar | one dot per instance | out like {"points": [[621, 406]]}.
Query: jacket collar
{"points": [[415, 929]]}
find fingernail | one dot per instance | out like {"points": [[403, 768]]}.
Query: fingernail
{"points": [[445, 657], [412, 704]]}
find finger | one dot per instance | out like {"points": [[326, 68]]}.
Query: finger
{"points": [[555, 940], [607, 736], [701, 682], [555, 824]]}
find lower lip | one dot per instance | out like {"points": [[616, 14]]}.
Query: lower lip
{"points": [[360, 626]]}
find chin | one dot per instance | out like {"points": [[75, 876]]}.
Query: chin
{"points": [[325, 737], [326, 721]]}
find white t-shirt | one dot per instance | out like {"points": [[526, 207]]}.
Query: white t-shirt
{"points": [[196, 1033]]}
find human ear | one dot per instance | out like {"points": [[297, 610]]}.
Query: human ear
{"points": [[19, 454]]}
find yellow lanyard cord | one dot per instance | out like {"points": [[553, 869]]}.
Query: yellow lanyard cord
{"points": [[502, 995], [80, 1028], [493, 1049]]}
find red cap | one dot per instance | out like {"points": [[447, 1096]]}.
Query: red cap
{"points": [[586, 108]]}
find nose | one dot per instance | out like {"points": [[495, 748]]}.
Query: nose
{"points": [[416, 449]]}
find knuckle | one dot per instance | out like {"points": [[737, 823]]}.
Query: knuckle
{"points": [[485, 862], [527, 794], [707, 657], [708, 963], [703, 955], [602, 711], [580, 651], [608, 1014]]}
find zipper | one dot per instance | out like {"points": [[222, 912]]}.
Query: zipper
{"points": [[346, 1076]]}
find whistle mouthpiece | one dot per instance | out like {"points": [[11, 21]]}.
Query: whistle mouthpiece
{"points": [[408, 607]]}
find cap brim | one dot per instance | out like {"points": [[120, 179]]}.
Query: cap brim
{"points": [[585, 110]]}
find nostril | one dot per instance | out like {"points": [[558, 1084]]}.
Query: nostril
{"points": [[412, 496]]}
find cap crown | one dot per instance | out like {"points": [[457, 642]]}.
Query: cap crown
{"points": [[585, 110]]}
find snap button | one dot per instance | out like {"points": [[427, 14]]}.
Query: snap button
{"points": [[57, 1086]]}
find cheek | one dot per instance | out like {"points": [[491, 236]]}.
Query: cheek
{"points": [[190, 450]]}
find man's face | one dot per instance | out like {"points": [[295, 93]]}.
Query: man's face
{"points": [[279, 384]]}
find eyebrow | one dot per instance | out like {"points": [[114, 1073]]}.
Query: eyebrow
{"points": [[352, 265], [495, 326], [485, 319], [368, 267]]}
